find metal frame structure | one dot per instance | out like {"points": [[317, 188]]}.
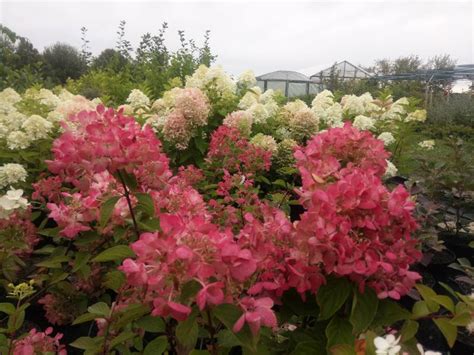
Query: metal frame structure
{"points": [[344, 71], [286, 78]]}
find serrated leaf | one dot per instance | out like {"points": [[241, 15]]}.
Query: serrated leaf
{"points": [[115, 253], [462, 319], [81, 259], [449, 330], [389, 312], [100, 309], [157, 346], [114, 279], [152, 324], [364, 308], [332, 296], [106, 210], [339, 331], [187, 332], [145, 203], [122, 338]]}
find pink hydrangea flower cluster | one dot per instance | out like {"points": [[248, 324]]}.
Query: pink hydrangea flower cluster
{"points": [[230, 151], [105, 140], [354, 226], [18, 234], [39, 343], [191, 110]]}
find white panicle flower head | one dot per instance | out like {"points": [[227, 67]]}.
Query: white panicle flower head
{"points": [[416, 116], [387, 345], [65, 95], [427, 145], [11, 174], [242, 120], [47, 97], [295, 106], [265, 142], [364, 122], [386, 137], [37, 127], [391, 169], [97, 101], [247, 79], [13, 120], [323, 100], [259, 113], [333, 115], [10, 96], [470, 327], [11, 201], [251, 97], [353, 104], [18, 140], [212, 81], [137, 99], [267, 97]]}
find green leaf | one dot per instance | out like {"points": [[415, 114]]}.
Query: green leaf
{"points": [[152, 324], [309, 347], [200, 144], [157, 346], [54, 262], [227, 339], [420, 309], [339, 331], [114, 279], [332, 296], [462, 319], [389, 312], [189, 290], [364, 308], [427, 294], [409, 330], [145, 203], [228, 315], [15, 323], [116, 253], [81, 259], [7, 308], [445, 301], [292, 300], [86, 343], [449, 330], [83, 318], [122, 338], [100, 309], [342, 349], [187, 332], [106, 210]]}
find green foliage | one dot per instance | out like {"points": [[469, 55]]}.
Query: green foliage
{"points": [[62, 62]]}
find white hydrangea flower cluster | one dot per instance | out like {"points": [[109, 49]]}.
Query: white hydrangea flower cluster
{"points": [[364, 123], [242, 120], [12, 201], [214, 82], [12, 173], [43, 96], [247, 79], [300, 120], [327, 110], [387, 345], [69, 105], [387, 138], [137, 99], [36, 127], [260, 105], [427, 144], [265, 142]]}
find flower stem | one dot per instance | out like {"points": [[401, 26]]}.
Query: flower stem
{"points": [[129, 203]]}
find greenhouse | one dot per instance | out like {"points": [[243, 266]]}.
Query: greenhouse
{"points": [[343, 70], [290, 83]]}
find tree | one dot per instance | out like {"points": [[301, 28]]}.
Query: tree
{"points": [[110, 59], [63, 61]]}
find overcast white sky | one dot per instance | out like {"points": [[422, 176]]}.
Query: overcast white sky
{"points": [[262, 35]]}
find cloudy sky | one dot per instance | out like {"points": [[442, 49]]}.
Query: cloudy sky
{"points": [[262, 35]]}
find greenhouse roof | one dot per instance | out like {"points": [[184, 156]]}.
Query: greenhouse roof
{"points": [[345, 70], [284, 75]]}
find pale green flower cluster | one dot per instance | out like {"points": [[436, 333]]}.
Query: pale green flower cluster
{"points": [[265, 142], [301, 121], [387, 138], [11, 174], [427, 144], [261, 105], [328, 111], [247, 79], [137, 99]]}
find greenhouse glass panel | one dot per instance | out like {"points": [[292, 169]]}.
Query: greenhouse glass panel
{"points": [[296, 89], [277, 86]]}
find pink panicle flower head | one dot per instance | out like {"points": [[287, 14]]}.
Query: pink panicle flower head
{"points": [[95, 141], [257, 312], [39, 343], [327, 153], [228, 150], [18, 234], [194, 105]]}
